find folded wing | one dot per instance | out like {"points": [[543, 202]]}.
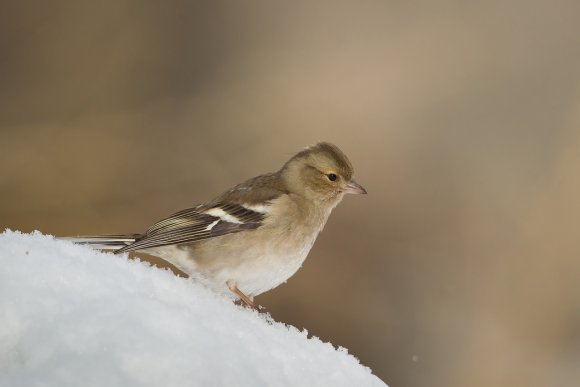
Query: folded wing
{"points": [[198, 223]]}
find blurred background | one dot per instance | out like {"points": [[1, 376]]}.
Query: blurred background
{"points": [[462, 119]]}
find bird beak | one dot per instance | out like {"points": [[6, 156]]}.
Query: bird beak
{"points": [[354, 188]]}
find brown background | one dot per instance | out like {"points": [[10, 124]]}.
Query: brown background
{"points": [[462, 265]]}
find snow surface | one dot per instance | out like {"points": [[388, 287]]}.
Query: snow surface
{"points": [[72, 316]]}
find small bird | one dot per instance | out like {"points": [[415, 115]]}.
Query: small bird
{"points": [[255, 236]]}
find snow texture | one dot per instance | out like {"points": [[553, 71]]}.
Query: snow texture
{"points": [[72, 316]]}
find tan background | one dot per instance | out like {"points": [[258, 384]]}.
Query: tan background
{"points": [[462, 265]]}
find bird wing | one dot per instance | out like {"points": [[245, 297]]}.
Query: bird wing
{"points": [[199, 223]]}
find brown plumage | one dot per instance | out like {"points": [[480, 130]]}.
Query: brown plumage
{"points": [[255, 236]]}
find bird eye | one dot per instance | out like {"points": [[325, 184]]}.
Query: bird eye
{"points": [[331, 176]]}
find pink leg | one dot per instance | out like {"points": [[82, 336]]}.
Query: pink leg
{"points": [[249, 301]]}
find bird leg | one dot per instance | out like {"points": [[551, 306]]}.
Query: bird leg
{"points": [[249, 301]]}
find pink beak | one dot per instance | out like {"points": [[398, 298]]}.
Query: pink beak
{"points": [[354, 188]]}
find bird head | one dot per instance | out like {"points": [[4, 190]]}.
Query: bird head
{"points": [[321, 172]]}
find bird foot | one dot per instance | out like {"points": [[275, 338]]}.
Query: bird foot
{"points": [[248, 301]]}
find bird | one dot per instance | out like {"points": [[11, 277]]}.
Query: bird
{"points": [[255, 236]]}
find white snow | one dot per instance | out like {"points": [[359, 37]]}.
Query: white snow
{"points": [[72, 316]]}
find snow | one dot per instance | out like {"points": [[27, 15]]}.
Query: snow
{"points": [[72, 316]]}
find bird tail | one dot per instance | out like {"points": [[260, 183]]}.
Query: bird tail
{"points": [[103, 242]]}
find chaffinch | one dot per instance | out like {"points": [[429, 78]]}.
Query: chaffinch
{"points": [[255, 236]]}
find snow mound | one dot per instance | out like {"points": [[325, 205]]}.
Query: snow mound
{"points": [[71, 316]]}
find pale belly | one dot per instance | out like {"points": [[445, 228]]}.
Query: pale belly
{"points": [[255, 270]]}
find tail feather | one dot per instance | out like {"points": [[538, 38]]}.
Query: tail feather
{"points": [[104, 242]]}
